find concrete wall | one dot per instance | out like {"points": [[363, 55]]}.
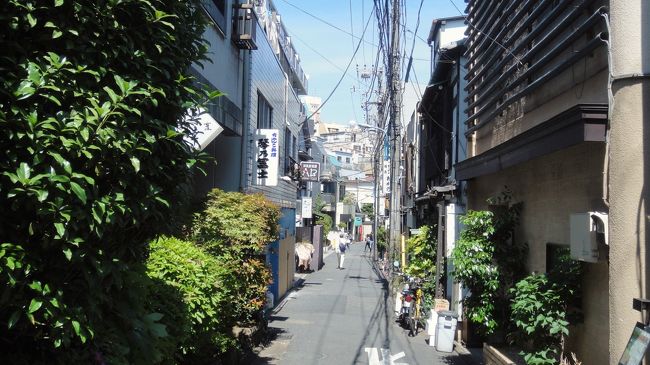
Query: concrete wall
{"points": [[225, 71], [629, 169], [224, 171], [551, 188]]}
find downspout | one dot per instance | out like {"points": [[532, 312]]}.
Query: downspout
{"points": [[243, 176], [286, 100]]}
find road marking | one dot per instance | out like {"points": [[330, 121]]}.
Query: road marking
{"points": [[386, 357]]}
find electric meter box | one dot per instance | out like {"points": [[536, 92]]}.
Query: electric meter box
{"points": [[587, 229]]}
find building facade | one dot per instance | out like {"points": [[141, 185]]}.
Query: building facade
{"points": [[436, 195], [254, 64], [536, 125]]}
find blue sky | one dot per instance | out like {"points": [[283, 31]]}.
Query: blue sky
{"points": [[336, 48]]}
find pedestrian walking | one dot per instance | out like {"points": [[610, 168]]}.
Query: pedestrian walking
{"points": [[340, 250], [368, 243]]}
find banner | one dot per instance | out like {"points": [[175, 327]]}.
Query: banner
{"points": [[386, 177], [267, 159]]}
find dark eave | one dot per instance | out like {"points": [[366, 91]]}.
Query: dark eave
{"points": [[581, 123]]}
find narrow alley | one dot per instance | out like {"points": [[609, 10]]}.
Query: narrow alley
{"points": [[345, 317]]}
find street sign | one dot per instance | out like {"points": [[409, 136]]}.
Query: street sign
{"points": [[357, 221], [306, 207], [310, 171]]}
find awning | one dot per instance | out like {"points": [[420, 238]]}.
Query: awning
{"points": [[436, 191]]}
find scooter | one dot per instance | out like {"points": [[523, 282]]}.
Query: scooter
{"points": [[405, 300]]}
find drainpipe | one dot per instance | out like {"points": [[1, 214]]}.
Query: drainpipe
{"points": [[245, 140]]}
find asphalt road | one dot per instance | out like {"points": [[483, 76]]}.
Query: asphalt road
{"points": [[346, 317]]}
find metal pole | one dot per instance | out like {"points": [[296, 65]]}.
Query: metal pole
{"points": [[440, 250], [396, 104]]}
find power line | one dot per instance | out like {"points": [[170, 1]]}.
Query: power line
{"points": [[323, 56], [351, 26], [327, 23], [417, 25], [344, 73]]}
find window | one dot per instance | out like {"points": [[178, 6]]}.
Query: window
{"points": [[287, 150], [217, 11], [264, 113], [338, 158], [347, 160]]}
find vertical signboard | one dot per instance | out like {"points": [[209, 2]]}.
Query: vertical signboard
{"points": [[386, 175], [267, 159], [306, 207]]}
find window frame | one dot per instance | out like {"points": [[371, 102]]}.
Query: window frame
{"points": [[218, 12], [264, 112]]}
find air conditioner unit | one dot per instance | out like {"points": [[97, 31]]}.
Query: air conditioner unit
{"points": [[245, 25], [587, 230]]}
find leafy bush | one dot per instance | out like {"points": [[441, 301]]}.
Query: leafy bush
{"points": [[321, 218], [422, 253], [203, 321], [235, 228], [489, 261], [91, 102], [381, 240], [475, 268], [541, 310]]}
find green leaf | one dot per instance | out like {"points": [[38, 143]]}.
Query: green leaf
{"points": [[56, 33], [60, 229], [35, 305], [23, 172], [36, 285], [32, 21], [111, 94], [25, 90], [136, 163], [58, 3], [55, 303], [34, 73], [68, 254], [53, 99], [78, 191], [154, 317], [76, 326], [15, 316]]}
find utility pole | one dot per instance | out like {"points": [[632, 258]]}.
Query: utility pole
{"points": [[376, 162], [394, 130]]}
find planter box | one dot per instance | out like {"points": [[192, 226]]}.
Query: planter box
{"points": [[508, 356]]}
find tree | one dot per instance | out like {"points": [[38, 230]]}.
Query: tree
{"points": [[369, 210], [95, 161]]}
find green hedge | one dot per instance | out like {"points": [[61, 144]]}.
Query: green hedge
{"points": [[93, 154], [236, 228], [201, 323]]}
